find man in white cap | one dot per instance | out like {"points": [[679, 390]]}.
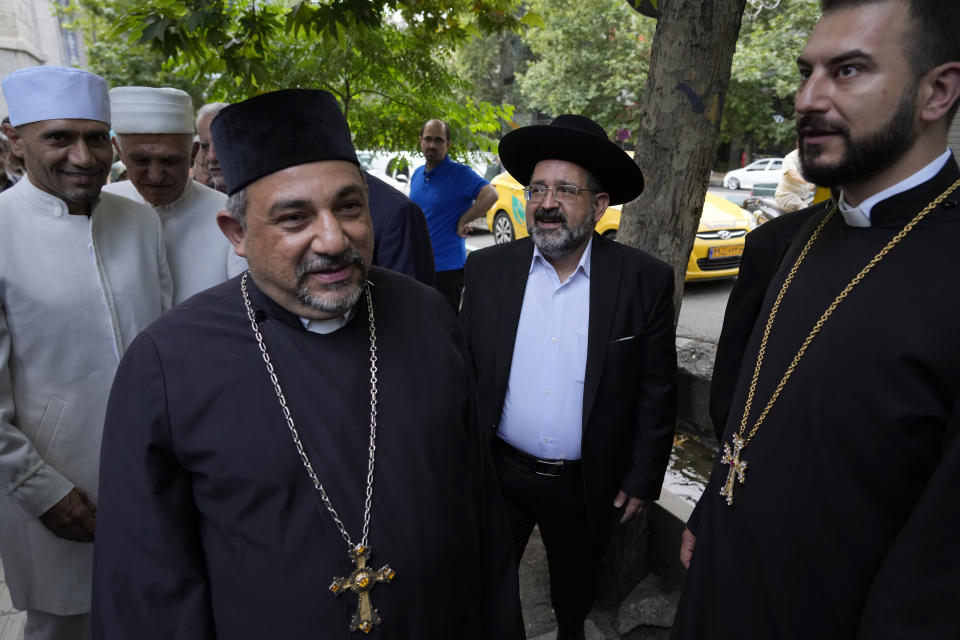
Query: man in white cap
{"points": [[81, 274], [154, 137]]}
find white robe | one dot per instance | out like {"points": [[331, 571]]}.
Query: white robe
{"points": [[199, 255], [75, 290]]}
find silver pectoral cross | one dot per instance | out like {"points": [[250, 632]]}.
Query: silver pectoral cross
{"points": [[738, 467]]}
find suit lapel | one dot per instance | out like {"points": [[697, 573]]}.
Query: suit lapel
{"points": [[512, 286], [605, 275]]}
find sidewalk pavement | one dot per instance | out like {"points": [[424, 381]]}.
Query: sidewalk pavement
{"points": [[11, 621]]}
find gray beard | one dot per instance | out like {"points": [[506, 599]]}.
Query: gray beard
{"points": [[340, 305], [561, 242], [335, 307]]}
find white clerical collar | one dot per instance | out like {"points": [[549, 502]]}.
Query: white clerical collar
{"points": [[330, 324], [584, 263], [860, 216]]}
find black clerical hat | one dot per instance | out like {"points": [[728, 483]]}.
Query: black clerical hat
{"points": [[276, 130], [576, 139]]}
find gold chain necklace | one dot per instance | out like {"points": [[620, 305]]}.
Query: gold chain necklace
{"points": [[738, 467], [362, 579]]}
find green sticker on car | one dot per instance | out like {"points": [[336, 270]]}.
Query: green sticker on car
{"points": [[519, 211]]}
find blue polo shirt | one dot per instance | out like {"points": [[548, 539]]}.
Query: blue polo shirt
{"points": [[444, 194]]}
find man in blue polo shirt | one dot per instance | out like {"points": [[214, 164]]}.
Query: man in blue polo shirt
{"points": [[451, 196]]}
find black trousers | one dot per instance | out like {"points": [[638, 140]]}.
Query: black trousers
{"points": [[450, 284], [557, 505]]}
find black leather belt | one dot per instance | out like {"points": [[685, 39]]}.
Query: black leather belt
{"points": [[540, 466]]}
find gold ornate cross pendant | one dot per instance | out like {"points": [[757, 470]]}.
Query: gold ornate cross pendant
{"points": [[738, 467], [361, 581]]}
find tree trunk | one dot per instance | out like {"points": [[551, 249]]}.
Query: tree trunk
{"points": [[686, 86]]}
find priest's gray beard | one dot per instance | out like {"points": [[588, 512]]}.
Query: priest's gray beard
{"points": [[558, 243], [338, 297], [866, 156]]}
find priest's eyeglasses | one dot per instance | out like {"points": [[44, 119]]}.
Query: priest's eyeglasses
{"points": [[561, 192]]}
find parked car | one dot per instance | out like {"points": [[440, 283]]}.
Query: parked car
{"points": [[717, 248], [394, 168], [766, 170]]}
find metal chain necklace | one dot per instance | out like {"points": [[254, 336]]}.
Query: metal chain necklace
{"points": [[362, 579], [738, 466]]}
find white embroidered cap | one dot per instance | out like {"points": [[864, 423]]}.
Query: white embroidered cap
{"points": [[151, 110], [53, 93]]}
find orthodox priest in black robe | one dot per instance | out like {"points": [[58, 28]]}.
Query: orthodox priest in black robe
{"points": [[209, 524], [836, 517]]}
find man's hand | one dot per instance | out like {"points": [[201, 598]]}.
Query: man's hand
{"points": [[463, 228], [634, 505], [485, 199], [73, 518], [687, 542]]}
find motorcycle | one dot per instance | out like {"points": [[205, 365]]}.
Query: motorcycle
{"points": [[764, 207]]}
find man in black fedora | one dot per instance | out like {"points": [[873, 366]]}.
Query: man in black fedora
{"points": [[572, 341], [271, 468]]}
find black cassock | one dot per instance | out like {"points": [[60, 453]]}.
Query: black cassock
{"points": [[208, 525], [846, 526]]}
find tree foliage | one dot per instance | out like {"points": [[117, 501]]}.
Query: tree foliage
{"points": [[382, 59], [387, 82], [121, 62], [236, 35], [590, 57], [764, 75]]}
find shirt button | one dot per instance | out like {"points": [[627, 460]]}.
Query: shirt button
{"points": [[548, 392], [554, 340]]}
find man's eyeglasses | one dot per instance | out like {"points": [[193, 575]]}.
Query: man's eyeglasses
{"points": [[561, 192]]}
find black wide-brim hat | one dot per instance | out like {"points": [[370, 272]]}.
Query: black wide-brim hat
{"points": [[575, 139], [276, 130]]}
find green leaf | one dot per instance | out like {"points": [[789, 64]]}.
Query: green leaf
{"points": [[532, 19]]}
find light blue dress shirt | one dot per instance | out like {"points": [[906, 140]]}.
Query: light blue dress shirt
{"points": [[543, 408]]}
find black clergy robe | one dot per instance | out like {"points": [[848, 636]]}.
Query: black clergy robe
{"points": [[208, 525], [846, 526]]}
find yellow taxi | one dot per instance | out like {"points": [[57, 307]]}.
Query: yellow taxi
{"points": [[716, 250]]}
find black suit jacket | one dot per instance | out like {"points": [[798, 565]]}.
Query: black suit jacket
{"points": [[401, 241], [629, 392]]}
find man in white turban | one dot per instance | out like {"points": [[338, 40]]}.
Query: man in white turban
{"points": [[81, 274], [154, 137]]}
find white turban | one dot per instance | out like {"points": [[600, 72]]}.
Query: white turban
{"points": [[53, 93], [151, 110]]}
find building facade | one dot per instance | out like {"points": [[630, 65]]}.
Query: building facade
{"points": [[31, 33]]}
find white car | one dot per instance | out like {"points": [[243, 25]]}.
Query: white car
{"points": [[766, 170], [394, 168]]}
